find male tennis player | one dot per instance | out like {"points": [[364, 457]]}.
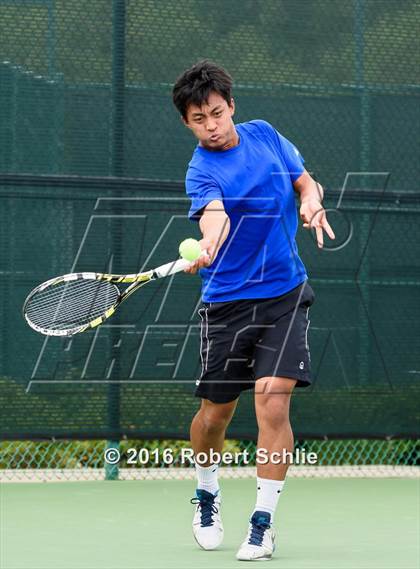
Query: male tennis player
{"points": [[241, 181]]}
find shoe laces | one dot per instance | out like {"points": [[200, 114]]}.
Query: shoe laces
{"points": [[260, 522], [205, 501]]}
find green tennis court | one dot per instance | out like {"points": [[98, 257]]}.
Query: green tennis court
{"points": [[323, 523]]}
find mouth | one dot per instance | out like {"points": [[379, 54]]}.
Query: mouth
{"points": [[215, 137]]}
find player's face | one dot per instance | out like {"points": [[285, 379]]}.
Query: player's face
{"points": [[212, 123]]}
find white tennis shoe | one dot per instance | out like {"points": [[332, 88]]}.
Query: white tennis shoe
{"points": [[259, 543], [207, 523]]}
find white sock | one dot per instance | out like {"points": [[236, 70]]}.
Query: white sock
{"points": [[207, 478], [268, 494]]}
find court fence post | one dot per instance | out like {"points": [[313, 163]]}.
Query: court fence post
{"points": [[116, 167], [112, 470]]}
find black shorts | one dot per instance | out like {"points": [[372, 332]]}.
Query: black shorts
{"points": [[244, 340]]}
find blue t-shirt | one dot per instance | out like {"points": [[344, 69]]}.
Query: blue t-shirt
{"points": [[259, 258]]}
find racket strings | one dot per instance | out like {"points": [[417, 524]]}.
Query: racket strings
{"points": [[67, 309], [65, 312], [71, 304], [65, 295]]}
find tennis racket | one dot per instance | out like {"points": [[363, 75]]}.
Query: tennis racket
{"points": [[77, 302]]}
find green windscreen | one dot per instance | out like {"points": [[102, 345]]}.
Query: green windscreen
{"points": [[135, 375]]}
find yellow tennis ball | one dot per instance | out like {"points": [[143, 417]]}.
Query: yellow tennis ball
{"points": [[190, 249]]}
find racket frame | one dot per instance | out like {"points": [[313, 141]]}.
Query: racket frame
{"points": [[136, 281]]}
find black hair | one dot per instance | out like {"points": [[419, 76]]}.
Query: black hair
{"points": [[196, 83]]}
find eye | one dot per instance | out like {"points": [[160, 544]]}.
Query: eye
{"points": [[217, 113]]}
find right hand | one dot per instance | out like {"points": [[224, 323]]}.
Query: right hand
{"points": [[204, 260]]}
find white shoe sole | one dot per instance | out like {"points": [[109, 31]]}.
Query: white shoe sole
{"points": [[208, 548], [268, 558], [257, 559]]}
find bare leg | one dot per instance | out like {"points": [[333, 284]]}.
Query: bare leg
{"points": [[272, 401], [209, 426]]}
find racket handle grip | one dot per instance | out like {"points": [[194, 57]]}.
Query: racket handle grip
{"points": [[175, 267]]}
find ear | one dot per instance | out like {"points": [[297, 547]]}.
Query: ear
{"points": [[232, 107], [185, 122]]}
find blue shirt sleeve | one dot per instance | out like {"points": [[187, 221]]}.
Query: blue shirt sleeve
{"points": [[202, 190], [288, 151], [291, 155]]}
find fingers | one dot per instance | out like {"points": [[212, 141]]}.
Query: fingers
{"points": [[319, 237], [200, 263], [328, 229], [203, 261], [191, 270], [319, 223]]}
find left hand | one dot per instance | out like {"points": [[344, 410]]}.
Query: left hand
{"points": [[313, 216]]}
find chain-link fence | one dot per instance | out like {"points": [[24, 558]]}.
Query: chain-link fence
{"points": [[156, 459]]}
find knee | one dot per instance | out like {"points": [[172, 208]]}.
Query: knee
{"points": [[215, 418], [273, 410]]}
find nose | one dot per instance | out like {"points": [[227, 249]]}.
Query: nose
{"points": [[211, 125]]}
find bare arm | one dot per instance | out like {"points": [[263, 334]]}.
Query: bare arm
{"points": [[215, 226], [311, 211]]}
